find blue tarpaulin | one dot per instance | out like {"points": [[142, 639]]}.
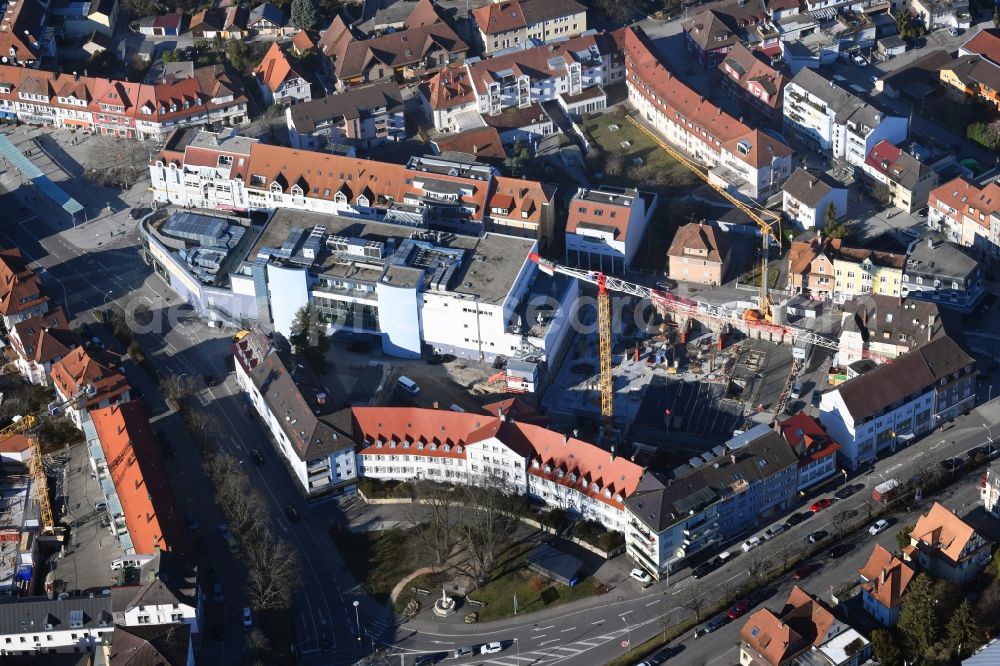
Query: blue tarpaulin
{"points": [[28, 169]]}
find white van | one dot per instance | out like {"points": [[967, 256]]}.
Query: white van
{"points": [[408, 385], [125, 562]]}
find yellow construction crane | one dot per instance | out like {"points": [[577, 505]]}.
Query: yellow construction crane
{"points": [[766, 228], [28, 425]]}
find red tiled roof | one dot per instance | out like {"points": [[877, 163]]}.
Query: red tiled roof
{"points": [[276, 68], [15, 444], [522, 199], [482, 142], [498, 17], [807, 438], [302, 41], [941, 531], [886, 576], [986, 43], [960, 195], [681, 104], [599, 213], [700, 237], [136, 466], [44, 337], [449, 88], [81, 368]]}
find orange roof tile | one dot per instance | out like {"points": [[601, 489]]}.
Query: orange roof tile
{"points": [[682, 104], [521, 199], [15, 444], [44, 337], [698, 236], [807, 438], [136, 466], [886, 576], [604, 214], [81, 368], [986, 43], [482, 142], [276, 68], [302, 41], [449, 88], [967, 200], [771, 638], [499, 17], [941, 531]]}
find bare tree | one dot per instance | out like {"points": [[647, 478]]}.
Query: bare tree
{"points": [[177, 387], [694, 598], [757, 562], [840, 521], [273, 572], [486, 528], [204, 427], [435, 518], [115, 161], [243, 504], [788, 552]]}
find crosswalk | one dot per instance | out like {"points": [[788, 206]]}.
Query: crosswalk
{"points": [[554, 653]]}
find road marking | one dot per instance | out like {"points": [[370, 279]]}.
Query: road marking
{"points": [[894, 467], [652, 603], [598, 623], [565, 630], [541, 635], [934, 446], [551, 626], [554, 640]]}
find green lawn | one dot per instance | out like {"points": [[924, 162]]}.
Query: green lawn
{"points": [[533, 592], [379, 560], [661, 171]]}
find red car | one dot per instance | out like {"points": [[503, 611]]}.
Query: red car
{"points": [[819, 505], [739, 610]]}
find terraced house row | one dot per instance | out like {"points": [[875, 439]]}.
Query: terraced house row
{"points": [[121, 108]]}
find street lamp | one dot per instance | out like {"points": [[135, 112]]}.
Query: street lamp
{"points": [[629, 628], [357, 621], [989, 432]]}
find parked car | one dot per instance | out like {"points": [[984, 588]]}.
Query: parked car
{"points": [[292, 513], [954, 32], [819, 505], [257, 457], [804, 571], [845, 492], [139, 213], [641, 575], [464, 652], [860, 61], [491, 648], [661, 656], [838, 551], [750, 544], [818, 535], [880, 526], [209, 379], [428, 659], [952, 464], [703, 569], [774, 530], [738, 610], [797, 518], [714, 624], [247, 617]]}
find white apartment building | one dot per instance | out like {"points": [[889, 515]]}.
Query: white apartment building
{"points": [[401, 443], [808, 195], [968, 215], [744, 160], [836, 121], [309, 432], [39, 626], [896, 402], [570, 72], [606, 226], [504, 24]]}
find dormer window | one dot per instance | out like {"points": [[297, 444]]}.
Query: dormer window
{"points": [[275, 188], [594, 487], [535, 464], [420, 446], [548, 469], [446, 448], [363, 201], [607, 493], [296, 191], [433, 447]]}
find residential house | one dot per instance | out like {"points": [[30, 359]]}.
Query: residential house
{"points": [[936, 14], [945, 546], [168, 594], [709, 36], [164, 25], [860, 271], [508, 24], [24, 39], [750, 79], [884, 588], [882, 328], [144, 514], [743, 160], [699, 253], [21, 295], [571, 73], [519, 207], [419, 48], [235, 24], [207, 24], [835, 121], [943, 273], [973, 78], [968, 215], [302, 43], [808, 195], [121, 108], [162, 644], [363, 117], [810, 267], [268, 19], [989, 489], [88, 379], [898, 178], [605, 227], [985, 43], [896, 402], [38, 342], [803, 631], [815, 449], [78, 20], [482, 144], [15, 449], [310, 431], [35, 626], [279, 79]]}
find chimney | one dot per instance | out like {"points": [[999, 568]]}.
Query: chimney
{"points": [[501, 414], [732, 458], [930, 243], [565, 439], [811, 183], [475, 149], [882, 578]]}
